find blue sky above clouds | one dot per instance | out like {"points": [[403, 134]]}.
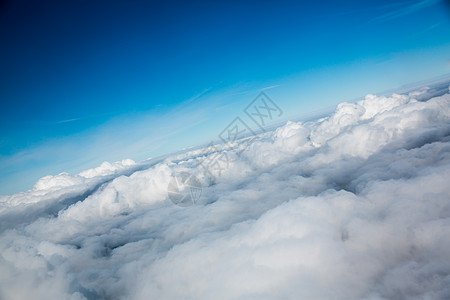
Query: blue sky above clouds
{"points": [[83, 82]]}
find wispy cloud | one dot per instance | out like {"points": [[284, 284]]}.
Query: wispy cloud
{"points": [[404, 9], [270, 87], [67, 121], [426, 30], [199, 95]]}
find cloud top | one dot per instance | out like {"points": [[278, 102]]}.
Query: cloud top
{"points": [[355, 205]]}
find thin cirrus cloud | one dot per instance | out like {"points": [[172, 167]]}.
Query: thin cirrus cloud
{"points": [[405, 8], [350, 206]]}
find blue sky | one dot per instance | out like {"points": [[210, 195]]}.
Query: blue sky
{"points": [[82, 82]]}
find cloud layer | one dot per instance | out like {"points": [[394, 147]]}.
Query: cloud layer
{"points": [[355, 205]]}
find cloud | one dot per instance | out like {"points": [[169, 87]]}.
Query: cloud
{"points": [[406, 8], [354, 205]]}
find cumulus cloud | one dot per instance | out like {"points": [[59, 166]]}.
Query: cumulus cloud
{"points": [[355, 205]]}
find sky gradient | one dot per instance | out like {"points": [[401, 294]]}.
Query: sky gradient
{"points": [[82, 82]]}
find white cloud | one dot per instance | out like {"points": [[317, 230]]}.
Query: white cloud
{"points": [[405, 8], [352, 206]]}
